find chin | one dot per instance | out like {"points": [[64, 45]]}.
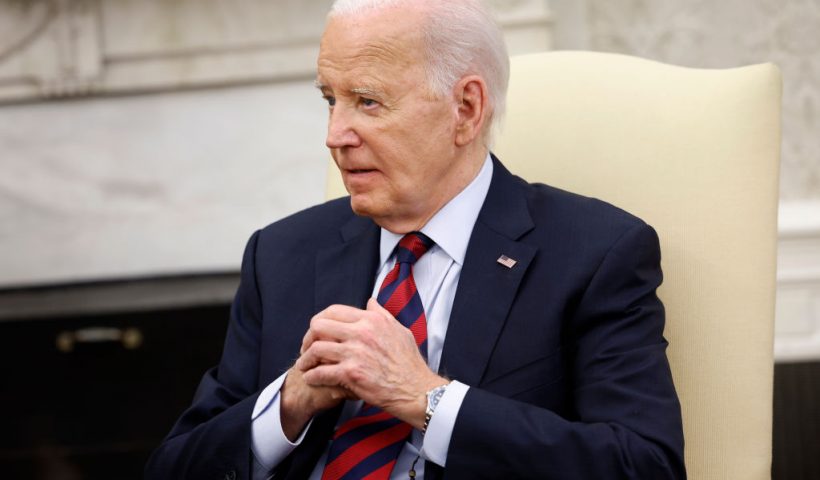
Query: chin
{"points": [[361, 206]]}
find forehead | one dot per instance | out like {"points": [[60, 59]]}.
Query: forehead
{"points": [[376, 46]]}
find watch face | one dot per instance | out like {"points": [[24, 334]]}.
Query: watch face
{"points": [[435, 396]]}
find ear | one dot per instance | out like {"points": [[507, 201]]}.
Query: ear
{"points": [[472, 104]]}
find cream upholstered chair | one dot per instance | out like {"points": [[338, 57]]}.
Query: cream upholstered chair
{"points": [[695, 153]]}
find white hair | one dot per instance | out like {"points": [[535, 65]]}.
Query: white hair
{"points": [[461, 38]]}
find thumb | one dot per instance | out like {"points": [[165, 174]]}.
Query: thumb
{"points": [[374, 306]]}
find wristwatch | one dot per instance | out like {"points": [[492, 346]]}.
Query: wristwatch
{"points": [[433, 397]]}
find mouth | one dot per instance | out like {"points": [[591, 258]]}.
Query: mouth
{"points": [[359, 171], [359, 179]]}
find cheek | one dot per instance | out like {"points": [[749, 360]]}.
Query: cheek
{"points": [[408, 146], [435, 131]]}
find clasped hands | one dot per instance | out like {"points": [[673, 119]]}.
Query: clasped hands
{"points": [[350, 353]]}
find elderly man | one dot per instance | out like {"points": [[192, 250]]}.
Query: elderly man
{"points": [[449, 319]]}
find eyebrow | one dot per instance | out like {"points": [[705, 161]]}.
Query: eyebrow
{"points": [[366, 91], [357, 90]]}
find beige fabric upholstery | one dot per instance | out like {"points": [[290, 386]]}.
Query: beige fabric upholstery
{"points": [[695, 153]]}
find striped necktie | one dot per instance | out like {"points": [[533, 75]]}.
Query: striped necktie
{"points": [[367, 445]]}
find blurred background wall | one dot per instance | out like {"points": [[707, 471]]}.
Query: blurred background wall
{"points": [[143, 141]]}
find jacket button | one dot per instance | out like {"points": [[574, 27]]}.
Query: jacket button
{"points": [[230, 475]]}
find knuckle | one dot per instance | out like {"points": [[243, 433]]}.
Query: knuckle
{"points": [[301, 361], [376, 317], [356, 375], [316, 376], [336, 310], [359, 328], [367, 337], [353, 372], [356, 351]]}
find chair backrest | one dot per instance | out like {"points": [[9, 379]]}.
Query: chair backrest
{"points": [[695, 153]]}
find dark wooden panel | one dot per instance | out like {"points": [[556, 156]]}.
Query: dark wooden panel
{"points": [[98, 410], [796, 435]]}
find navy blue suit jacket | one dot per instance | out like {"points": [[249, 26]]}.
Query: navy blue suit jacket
{"points": [[564, 352]]}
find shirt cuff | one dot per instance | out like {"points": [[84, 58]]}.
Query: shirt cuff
{"points": [[436, 441], [268, 441]]}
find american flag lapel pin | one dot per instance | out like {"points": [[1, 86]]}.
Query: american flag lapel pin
{"points": [[506, 261]]}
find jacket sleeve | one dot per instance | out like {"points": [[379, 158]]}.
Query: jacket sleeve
{"points": [[212, 437], [627, 421]]}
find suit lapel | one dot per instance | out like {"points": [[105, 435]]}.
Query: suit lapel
{"points": [[486, 288], [345, 272], [344, 275]]}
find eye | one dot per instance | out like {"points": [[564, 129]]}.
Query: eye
{"points": [[331, 101], [369, 102]]}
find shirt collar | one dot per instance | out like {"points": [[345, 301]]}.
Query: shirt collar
{"points": [[451, 226]]}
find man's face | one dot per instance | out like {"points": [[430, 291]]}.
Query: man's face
{"points": [[392, 140]]}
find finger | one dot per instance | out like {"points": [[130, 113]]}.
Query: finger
{"points": [[332, 331], [320, 352], [328, 375], [307, 341], [373, 305], [323, 328], [349, 395], [337, 313], [341, 313], [339, 393]]}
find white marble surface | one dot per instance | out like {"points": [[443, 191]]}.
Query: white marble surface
{"points": [[134, 28], [797, 330], [75, 48], [151, 184], [108, 186]]}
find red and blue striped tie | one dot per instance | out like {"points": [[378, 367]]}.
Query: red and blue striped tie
{"points": [[367, 445]]}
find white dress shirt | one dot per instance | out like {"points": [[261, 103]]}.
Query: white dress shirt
{"points": [[436, 275]]}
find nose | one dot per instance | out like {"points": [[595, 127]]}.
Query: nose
{"points": [[340, 131]]}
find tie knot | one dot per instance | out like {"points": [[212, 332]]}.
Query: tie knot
{"points": [[412, 246]]}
